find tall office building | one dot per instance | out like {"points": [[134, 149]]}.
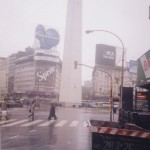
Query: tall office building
{"points": [[70, 91]]}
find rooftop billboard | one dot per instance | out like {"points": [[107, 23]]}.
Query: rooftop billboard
{"points": [[105, 55], [143, 70], [45, 40], [46, 37]]}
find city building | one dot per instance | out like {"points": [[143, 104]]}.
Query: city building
{"points": [[24, 74], [102, 81], [11, 73], [33, 75], [106, 71], [87, 90], [3, 77]]}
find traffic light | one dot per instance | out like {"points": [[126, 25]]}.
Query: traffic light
{"points": [[75, 64]]}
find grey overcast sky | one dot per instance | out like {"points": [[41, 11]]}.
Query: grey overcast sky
{"points": [[128, 19]]}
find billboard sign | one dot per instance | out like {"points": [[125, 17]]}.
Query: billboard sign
{"points": [[47, 38], [45, 74], [141, 95], [46, 58], [133, 66], [143, 70], [105, 55]]}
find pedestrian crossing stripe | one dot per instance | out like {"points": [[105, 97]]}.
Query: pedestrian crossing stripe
{"points": [[32, 131], [61, 123], [7, 121], [40, 123], [47, 123], [74, 123], [31, 123], [15, 123]]}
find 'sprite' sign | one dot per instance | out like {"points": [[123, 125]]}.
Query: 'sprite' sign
{"points": [[45, 73], [105, 55]]}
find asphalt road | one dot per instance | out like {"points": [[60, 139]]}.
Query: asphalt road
{"points": [[68, 132]]}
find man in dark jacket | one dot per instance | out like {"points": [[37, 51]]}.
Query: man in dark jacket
{"points": [[32, 110], [52, 112]]}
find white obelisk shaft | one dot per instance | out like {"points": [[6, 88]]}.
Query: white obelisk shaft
{"points": [[71, 78]]}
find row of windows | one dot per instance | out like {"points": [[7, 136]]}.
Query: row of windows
{"points": [[25, 70], [24, 66], [23, 81], [20, 77], [100, 73]]}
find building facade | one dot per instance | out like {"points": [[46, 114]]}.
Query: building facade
{"points": [[107, 73], [30, 77], [11, 73], [3, 77], [87, 90], [102, 81]]}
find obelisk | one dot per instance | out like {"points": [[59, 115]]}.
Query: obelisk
{"points": [[71, 78]]}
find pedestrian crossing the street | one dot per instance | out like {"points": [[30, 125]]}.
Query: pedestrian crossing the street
{"points": [[43, 123]]}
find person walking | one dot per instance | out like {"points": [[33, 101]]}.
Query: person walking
{"points": [[52, 112], [4, 110], [32, 110], [27, 103]]}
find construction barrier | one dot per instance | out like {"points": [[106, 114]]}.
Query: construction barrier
{"points": [[110, 136]]}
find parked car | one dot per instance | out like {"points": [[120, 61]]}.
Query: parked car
{"points": [[10, 104], [18, 103]]}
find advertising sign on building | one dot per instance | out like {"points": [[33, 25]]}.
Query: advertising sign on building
{"points": [[143, 70], [105, 55], [133, 66], [43, 57], [45, 74], [141, 95], [45, 39]]}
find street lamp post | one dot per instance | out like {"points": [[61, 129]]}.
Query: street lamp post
{"points": [[75, 66], [122, 68]]}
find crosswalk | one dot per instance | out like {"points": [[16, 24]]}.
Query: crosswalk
{"points": [[43, 123]]}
